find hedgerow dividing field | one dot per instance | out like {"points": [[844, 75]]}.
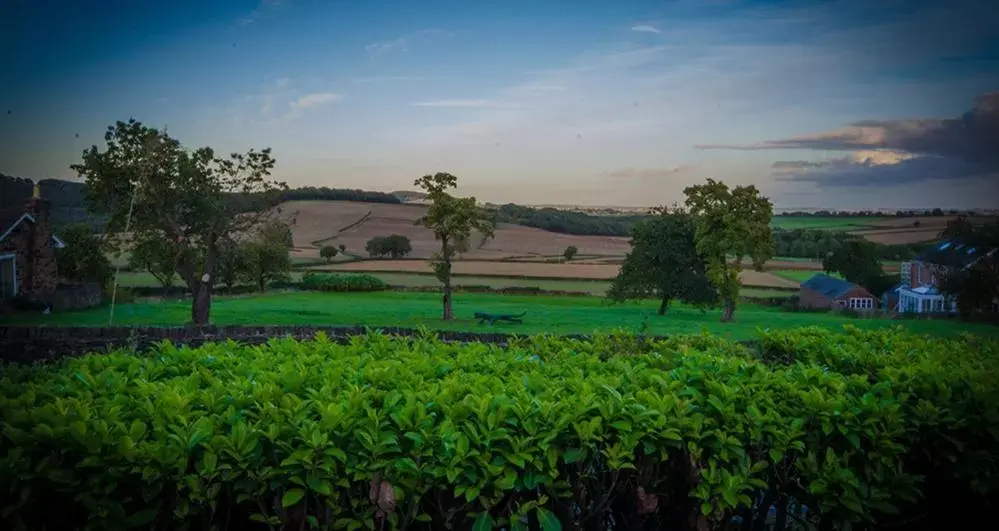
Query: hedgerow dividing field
{"points": [[827, 431]]}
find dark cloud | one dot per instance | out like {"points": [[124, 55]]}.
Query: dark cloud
{"points": [[955, 148], [847, 173]]}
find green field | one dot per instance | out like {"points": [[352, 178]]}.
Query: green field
{"points": [[798, 275], [549, 314], [824, 223]]}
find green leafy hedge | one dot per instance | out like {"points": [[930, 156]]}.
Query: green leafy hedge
{"points": [[830, 430], [342, 282]]}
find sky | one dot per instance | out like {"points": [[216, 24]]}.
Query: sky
{"points": [[848, 104]]}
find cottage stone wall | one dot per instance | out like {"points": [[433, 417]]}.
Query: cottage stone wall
{"points": [[42, 275]]}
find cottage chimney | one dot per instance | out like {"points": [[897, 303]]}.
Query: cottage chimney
{"points": [[41, 276]]}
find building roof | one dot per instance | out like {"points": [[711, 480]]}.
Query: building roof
{"points": [[10, 221], [9, 218], [952, 253], [829, 286]]}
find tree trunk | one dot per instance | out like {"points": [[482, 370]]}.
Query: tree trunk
{"points": [[448, 312], [445, 279], [262, 282], [664, 305], [728, 310], [201, 308]]}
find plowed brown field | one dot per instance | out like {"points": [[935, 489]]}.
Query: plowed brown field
{"points": [[318, 223]]}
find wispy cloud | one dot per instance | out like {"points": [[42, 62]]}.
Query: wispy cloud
{"points": [[650, 173], [315, 100], [399, 44], [468, 104], [264, 8], [645, 28], [391, 79]]}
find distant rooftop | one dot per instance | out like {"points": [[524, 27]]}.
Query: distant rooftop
{"points": [[828, 286], [952, 253]]}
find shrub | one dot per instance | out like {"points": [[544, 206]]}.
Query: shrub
{"points": [[395, 246], [328, 252], [684, 433], [570, 252], [342, 282]]}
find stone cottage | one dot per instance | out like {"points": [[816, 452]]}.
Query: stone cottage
{"points": [[27, 251]]}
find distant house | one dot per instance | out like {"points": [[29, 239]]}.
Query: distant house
{"points": [[919, 290], [27, 251], [824, 291]]}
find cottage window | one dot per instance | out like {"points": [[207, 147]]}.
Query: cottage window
{"points": [[861, 303], [8, 276]]}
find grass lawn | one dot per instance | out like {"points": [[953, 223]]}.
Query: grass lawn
{"points": [[595, 287], [544, 314], [826, 223], [798, 275]]}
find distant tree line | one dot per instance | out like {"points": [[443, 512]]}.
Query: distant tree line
{"points": [[873, 213], [817, 244], [567, 222], [312, 193]]}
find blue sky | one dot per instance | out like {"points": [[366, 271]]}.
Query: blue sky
{"points": [[529, 101]]}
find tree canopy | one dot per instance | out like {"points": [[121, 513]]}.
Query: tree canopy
{"points": [[857, 260], [664, 263], [84, 257], [730, 225], [192, 198], [395, 246], [975, 287], [265, 258], [452, 220]]}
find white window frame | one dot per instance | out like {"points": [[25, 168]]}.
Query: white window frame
{"points": [[861, 303], [13, 262]]}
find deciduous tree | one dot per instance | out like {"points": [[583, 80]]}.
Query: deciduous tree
{"points": [[975, 284], [158, 256], [193, 198], [84, 257], [569, 253], [664, 263], [265, 257], [452, 220], [229, 267], [730, 225], [395, 246], [328, 252], [857, 260]]}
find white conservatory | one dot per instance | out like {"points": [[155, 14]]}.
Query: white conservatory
{"points": [[924, 299]]}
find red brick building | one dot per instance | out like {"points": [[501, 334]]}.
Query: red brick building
{"points": [[824, 291], [919, 290], [27, 251]]}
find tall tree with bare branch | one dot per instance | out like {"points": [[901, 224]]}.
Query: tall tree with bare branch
{"points": [[452, 220], [192, 198]]}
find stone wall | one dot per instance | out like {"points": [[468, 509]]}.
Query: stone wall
{"points": [[77, 296], [25, 344]]}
